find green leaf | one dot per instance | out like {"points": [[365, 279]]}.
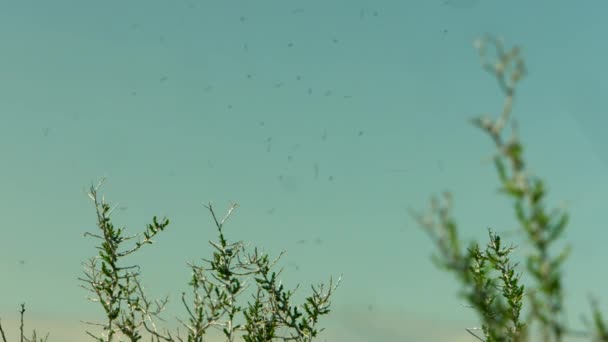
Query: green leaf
{"points": [[500, 167]]}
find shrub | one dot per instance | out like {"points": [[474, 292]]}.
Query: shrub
{"points": [[216, 287], [490, 283]]}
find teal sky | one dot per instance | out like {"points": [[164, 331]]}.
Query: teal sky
{"points": [[325, 121]]}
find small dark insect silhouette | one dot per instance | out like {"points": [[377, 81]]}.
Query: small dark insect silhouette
{"points": [[163, 79], [331, 178], [360, 133], [290, 44]]}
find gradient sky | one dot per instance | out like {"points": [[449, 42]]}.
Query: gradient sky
{"points": [[325, 120]]}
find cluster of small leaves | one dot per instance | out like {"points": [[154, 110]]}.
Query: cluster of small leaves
{"points": [[301, 320], [500, 320], [498, 299], [261, 324], [221, 284], [114, 286], [226, 277], [541, 227], [215, 289]]}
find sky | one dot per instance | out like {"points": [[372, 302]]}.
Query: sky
{"points": [[324, 120]]}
